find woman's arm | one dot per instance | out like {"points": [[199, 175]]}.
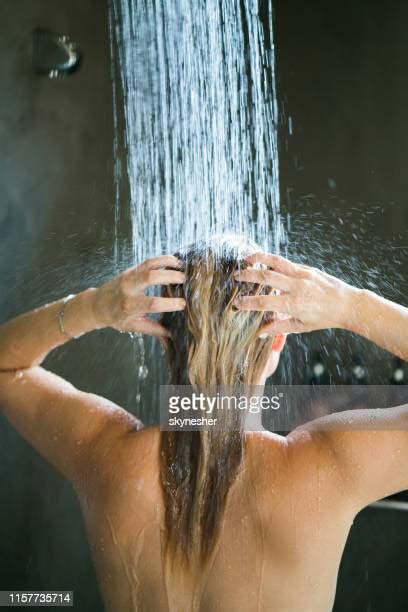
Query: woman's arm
{"points": [[383, 322], [311, 299], [121, 303], [65, 425], [26, 340]]}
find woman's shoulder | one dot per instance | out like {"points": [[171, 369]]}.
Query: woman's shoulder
{"points": [[133, 458]]}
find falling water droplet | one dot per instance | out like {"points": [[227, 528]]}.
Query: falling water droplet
{"points": [[143, 372], [135, 335]]}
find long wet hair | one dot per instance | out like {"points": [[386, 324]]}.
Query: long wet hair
{"points": [[211, 344]]}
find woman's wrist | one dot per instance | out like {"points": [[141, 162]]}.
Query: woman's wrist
{"points": [[26, 340], [381, 321], [80, 315], [354, 303], [101, 314]]}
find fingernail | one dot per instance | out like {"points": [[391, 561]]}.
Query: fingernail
{"points": [[263, 336]]}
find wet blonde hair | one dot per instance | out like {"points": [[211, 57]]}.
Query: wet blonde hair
{"points": [[211, 344]]}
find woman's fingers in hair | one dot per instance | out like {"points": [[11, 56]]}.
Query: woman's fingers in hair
{"points": [[273, 303], [265, 277], [163, 304], [290, 325], [150, 327], [155, 263], [135, 306], [163, 261], [161, 277], [279, 264]]}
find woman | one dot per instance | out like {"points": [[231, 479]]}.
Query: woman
{"points": [[217, 521]]}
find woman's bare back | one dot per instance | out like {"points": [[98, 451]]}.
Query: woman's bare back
{"points": [[281, 540], [290, 509]]}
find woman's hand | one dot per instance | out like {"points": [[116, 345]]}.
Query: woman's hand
{"points": [[309, 298], [122, 304]]}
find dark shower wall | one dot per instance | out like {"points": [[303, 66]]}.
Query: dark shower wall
{"points": [[342, 76], [56, 139], [342, 79], [56, 210]]}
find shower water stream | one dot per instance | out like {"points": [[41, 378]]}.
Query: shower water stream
{"points": [[200, 112], [200, 116]]}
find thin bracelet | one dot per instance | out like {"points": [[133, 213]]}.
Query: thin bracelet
{"points": [[61, 316]]}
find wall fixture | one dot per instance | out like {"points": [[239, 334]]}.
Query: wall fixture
{"points": [[54, 55]]}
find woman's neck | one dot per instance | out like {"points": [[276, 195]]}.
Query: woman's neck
{"points": [[253, 416]]}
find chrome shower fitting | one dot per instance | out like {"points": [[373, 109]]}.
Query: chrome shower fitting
{"points": [[54, 55]]}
